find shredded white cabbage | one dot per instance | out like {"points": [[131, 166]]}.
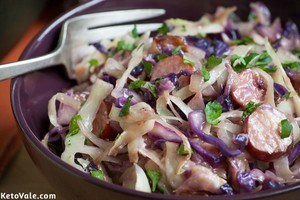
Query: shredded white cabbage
{"points": [[75, 143], [64, 99], [138, 125]]}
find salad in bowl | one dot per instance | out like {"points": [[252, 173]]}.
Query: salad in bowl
{"points": [[203, 107]]}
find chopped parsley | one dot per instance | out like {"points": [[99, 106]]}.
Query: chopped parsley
{"points": [[183, 28], [205, 74], [97, 174], [238, 63], [136, 85], [152, 90], [126, 108], [161, 56], [297, 52], [187, 60], [292, 65], [110, 54], [181, 150], [162, 188], [213, 111], [244, 40], [249, 108], [261, 61], [287, 95], [252, 17], [93, 62], [117, 136], [200, 35], [73, 126], [176, 50], [213, 61], [148, 68], [164, 29], [286, 128], [122, 46], [134, 32], [154, 176]]}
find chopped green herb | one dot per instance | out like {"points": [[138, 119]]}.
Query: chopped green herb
{"points": [[213, 111], [244, 40], [122, 46], [267, 69], [176, 50], [297, 52], [73, 126], [213, 61], [292, 65], [252, 17], [205, 74], [164, 29], [162, 56], [136, 85], [162, 188], [248, 59], [238, 63], [97, 174], [154, 176], [183, 28], [110, 54], [200, 35], [261, 61], [125, 109], [249, 108], [287, 95], [286, 128], [148, 68], [93, 62], [181, 150], [134, 32], [117, 136], [187, 60], [152, 90]]}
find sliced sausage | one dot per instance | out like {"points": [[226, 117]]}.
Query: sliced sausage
{"points": [[295, 79], [248, 86], [102, 125], [166, 43], [264, 133], [171, 64]]}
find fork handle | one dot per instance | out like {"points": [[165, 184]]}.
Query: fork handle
{"points": [[11, 70]]}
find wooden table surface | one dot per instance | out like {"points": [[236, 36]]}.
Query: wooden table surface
{"points": [[20, 175]]}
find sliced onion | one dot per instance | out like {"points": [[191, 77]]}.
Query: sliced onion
{"points": [[161, 132], [212, 159], [194, 118]]}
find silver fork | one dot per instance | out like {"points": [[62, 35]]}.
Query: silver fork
{"points": [[86, 27]]}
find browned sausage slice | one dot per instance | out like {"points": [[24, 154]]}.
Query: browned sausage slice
{"points": [[248, 86], [163, 43], [171, 64], [264, 133]]}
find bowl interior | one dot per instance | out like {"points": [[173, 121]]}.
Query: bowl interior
{"points": [[31, 92]]}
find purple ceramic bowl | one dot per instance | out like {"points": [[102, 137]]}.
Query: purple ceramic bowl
{"points": [[30, 94]]}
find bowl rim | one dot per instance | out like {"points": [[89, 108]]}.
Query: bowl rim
{"points": [[30, 137]]}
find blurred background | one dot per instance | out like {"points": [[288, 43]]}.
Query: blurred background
{"points": [[17, 16], [20, 21]]}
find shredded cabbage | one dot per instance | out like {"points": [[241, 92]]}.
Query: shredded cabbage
{"points": [[195, 108]]}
